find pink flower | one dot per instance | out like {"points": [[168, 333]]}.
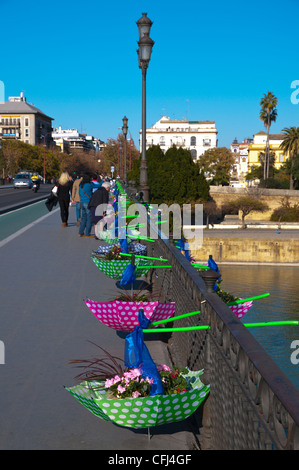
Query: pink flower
{"points": [[163, 367], [135, 394], [109, 383], [121, 389]]}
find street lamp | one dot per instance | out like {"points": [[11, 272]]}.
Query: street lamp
{"points": [[145, 44], [125, 131]]}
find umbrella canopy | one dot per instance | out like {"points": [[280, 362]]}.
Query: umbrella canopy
{"points": [[115, 268], [123, 316], [241, 309], [142, 412]]}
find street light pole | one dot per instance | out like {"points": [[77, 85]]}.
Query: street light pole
{"points": [[145, 44], [125, 131]]}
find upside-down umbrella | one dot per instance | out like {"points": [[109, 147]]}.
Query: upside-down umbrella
{"points": [[123, 316], [142, 412], [114, 268]]}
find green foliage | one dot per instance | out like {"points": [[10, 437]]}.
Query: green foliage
{"points": [[172, 177], [245, 204], [218, 164], [286, 212]]}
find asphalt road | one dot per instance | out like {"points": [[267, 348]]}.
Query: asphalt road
{"points": [[10, 197]]}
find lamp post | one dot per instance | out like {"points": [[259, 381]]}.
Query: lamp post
{"points": [[145, 44], [44, 137], [125, 131]]}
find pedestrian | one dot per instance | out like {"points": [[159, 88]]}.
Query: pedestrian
{"points": [[98, 198], [76, 198], [85, 192], [64, 196], [96, 181]]}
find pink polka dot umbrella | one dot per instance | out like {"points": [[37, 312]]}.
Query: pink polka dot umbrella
{"points": [[123, 316]]}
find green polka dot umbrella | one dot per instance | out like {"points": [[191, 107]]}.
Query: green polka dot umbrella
{"points": [[115, 268], [142, 412]]}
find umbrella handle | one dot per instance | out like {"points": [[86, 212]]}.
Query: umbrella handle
{"points": [[242, 301]]}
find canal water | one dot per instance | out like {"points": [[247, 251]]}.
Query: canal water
{"points": [[282, 282]]}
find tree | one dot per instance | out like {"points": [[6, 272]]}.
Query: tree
{"points": [[268, 114], [113, 151], [245, 204], [210, 209], [172, 177], [217, 164], [290, 145]]}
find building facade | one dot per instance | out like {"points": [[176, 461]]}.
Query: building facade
{"points": [[240, 150], [23, 121], [196, 136], [68, 139], [257, 149]]}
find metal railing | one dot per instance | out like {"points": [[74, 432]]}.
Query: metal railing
{"points": [[252, 404]]}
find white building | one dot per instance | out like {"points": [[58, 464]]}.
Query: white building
{"points": [[22, 121], [196, 136], [71, 138]]}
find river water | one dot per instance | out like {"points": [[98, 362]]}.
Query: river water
{"points": [[282, 282]]}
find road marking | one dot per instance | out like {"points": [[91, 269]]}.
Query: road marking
{"points": [[27, 227]]}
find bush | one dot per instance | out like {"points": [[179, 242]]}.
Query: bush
{"points": [[286, 214]]}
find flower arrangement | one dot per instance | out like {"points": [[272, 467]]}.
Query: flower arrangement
{"points": [[132, 385], [122, 397], [114, 253], [225, 295]]}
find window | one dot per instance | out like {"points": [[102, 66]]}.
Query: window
{"points": [[207, 141], [193, 140], [281, 158], [162, 140], [26, 122], [26, 132]]}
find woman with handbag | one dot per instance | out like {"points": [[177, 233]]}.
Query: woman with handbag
{"points": [[64, 196], [85, 192]]}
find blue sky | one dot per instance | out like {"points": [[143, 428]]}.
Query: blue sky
{"points": [[77, 62]]}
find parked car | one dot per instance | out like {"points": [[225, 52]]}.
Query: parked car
{"points": [[22, 180]]}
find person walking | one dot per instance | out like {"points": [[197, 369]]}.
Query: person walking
{"points": [[85, 192], [64, 196], [99, 198], [76, 198]]}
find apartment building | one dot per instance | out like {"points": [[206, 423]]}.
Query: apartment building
{"points": [[257, 149], [68, 139], [23, 121], [196, 136]]}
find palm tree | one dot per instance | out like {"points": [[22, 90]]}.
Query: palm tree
{"points": [[290, 145], [268, 115]]}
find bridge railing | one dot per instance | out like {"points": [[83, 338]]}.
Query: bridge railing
{"points": [[252, 404]]}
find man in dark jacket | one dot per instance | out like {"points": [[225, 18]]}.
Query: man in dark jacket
{"points": [[100, 196]]}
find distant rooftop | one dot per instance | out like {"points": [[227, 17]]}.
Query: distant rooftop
{"points": [[19, 105]]}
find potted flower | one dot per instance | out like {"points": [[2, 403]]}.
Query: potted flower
{"points": [[238, 309], [113, 263], [124, 398]]}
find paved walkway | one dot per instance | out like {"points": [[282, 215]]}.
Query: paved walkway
{"points": [[46, 272]]}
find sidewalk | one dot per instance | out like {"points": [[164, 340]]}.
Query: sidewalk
{"points": [[46, 272]]}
